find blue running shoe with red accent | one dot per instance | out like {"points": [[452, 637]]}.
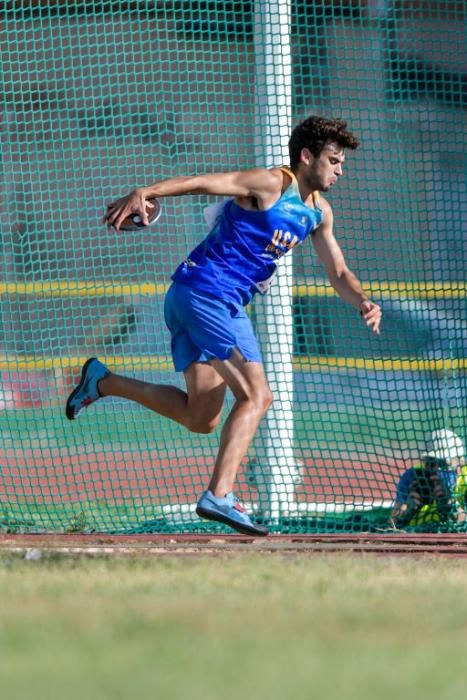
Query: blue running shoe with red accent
{"points": [[87, 391], [227, 510]]}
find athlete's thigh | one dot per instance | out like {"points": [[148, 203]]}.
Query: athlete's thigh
{"points": [[245, 379], [205, 389]]}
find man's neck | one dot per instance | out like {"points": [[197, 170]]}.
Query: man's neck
{"points": [[304, 186]]}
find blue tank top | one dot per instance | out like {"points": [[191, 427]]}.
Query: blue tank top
{"points": [[239, 255]]}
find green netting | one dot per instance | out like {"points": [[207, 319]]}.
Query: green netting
{"points": [[97, 97]]}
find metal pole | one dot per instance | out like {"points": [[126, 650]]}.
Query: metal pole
{"points": [[275, 468]]}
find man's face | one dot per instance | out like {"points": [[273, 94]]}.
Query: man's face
{"points": [[324, 170]]}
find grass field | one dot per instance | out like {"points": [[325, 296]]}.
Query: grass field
{"points": [[233, 626]]}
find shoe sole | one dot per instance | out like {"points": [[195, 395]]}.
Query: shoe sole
{"points": [[69, 408], [257, 531]]}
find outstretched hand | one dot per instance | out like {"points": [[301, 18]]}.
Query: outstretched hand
{"points": [[133, 203], [371, 314]]}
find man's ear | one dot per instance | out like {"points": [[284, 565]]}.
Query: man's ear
{"points": [[306, 156]]}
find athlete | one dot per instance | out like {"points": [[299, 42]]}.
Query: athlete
{"points": [[430, 492], [267, 213]]}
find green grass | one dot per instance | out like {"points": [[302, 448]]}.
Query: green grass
{"points": [[233, 626]]}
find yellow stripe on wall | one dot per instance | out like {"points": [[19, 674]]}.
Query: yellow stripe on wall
{"points": [[82, 289], [79, 288], [305, 364], [392, 290]]}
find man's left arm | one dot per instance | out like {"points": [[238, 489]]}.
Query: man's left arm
{"points": [[342, 279]]}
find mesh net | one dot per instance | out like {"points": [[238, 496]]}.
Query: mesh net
{"points": [[98, 97]]}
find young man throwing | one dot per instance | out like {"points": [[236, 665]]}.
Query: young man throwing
{"points": [[267, 214]]}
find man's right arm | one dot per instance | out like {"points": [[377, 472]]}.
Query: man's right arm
{"points": [[342, 279], [264, 185]]}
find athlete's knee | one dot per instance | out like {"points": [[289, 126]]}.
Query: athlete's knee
{"points": [[269, 398], [202, 424], [260, 397]]}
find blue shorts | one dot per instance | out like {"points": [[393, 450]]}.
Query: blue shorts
{"points": [[204, 328]]}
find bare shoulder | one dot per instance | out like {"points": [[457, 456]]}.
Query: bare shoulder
{"points": [[325, 229], [277, 174], [325, 206], [263, 187], [269, 179], [277, 181], [259, 178]]}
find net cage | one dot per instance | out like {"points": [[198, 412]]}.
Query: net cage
{"points": [[98, 97]]}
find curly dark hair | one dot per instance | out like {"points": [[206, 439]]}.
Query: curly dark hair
{"points": [[315, 132]]}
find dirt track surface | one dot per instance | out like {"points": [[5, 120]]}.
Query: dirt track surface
{"points": [[158, 545]]}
